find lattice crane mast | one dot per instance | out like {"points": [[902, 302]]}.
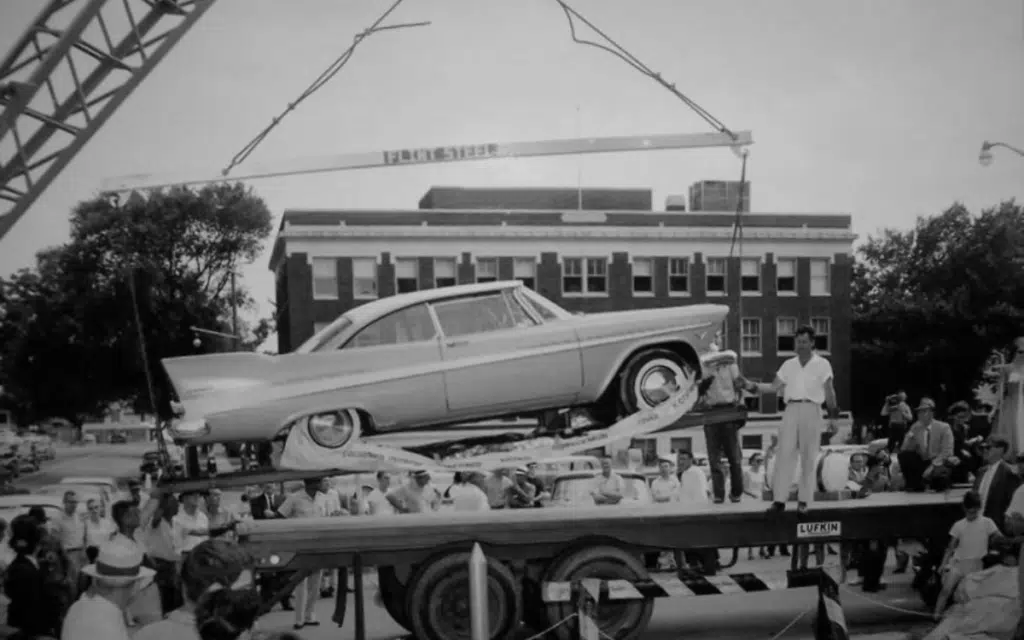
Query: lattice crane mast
{"points": [[70, 70]]}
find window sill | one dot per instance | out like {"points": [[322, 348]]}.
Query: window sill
{"points": [[585, 294], [821, 295], [365, 297], [679, 294], [715, 294], [643, 294], [786, 354], [751, 294], [751, 354], [324, 297], [786, 294]]}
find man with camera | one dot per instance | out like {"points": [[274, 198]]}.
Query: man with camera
{"points": [[899, 416]]}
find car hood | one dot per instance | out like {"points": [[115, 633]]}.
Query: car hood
{"points": [[688, 314]]}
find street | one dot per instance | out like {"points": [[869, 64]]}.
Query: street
{"points": [[727, 617]]}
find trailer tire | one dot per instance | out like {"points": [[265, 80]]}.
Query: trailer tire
{"points": [[393, 595], [438, 599], [625, 620]]}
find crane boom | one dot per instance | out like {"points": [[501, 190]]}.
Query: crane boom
{"points": [[42, 131], [428, 155]]}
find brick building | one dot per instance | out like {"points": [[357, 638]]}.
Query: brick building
{"points": [[794, 269]]}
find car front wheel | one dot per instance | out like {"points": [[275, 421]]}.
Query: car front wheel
{"points": [[647, 374]]}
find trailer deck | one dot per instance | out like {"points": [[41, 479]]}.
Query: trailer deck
{"points": [[538, 533]]}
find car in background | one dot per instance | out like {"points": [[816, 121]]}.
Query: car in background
{"points": [[550, 469], [116, 489], [83, 491], [439, 357], [573, 489], [15, 505]]}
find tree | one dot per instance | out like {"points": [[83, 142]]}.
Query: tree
{"points": [[931, 303], [70, 337]]}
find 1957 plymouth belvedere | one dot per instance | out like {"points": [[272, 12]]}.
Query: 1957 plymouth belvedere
{"points": [[443, 356]]}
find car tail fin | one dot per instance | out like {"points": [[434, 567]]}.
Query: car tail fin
{"points": [[197, 377]]}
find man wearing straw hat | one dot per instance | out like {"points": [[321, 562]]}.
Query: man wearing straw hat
{"points": [[117, 577]]}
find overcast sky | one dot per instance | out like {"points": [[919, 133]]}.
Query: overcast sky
{"points": [[875, 108]]}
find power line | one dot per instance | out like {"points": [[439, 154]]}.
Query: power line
{"points": [[321, 80]]}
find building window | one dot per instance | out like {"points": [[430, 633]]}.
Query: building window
{"points": [[785, 282], [444, 272], [822, 333], [407, 276], [750, 275], [716, 276], [752, 402], [364, 278], [820, 285], [525, 271], [643, 276], [750, 336], [678, 276], [681, 444], [785, 335], [582, 276], [320, 326], [487, 270], [753, 442], [325, 279], [648, 448]]}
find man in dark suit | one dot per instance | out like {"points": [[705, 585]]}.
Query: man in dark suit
{"points": [[997, 481], [264, 507]]}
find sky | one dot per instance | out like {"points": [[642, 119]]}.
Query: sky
{"points": [[874, 108]]}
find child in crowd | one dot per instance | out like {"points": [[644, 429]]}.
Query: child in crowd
{"points": [[970, 538]]}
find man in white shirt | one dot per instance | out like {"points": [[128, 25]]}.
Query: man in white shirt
{"points": [[665, 488], [805, 382], [416, 496], [98, 530], [497, 486], [723, 439], [377, 503], [466, 495], [609, 487], [302, 504], [69, 528], [190, 525], [693, 484], [116, 576], [329, 503]]}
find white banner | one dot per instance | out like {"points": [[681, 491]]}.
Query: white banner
{"points": [[302, 453]]}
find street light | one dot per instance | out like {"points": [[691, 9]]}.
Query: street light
{"points": [[985, 157]]}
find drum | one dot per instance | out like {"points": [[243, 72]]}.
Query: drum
{"points": [[832, 465]]}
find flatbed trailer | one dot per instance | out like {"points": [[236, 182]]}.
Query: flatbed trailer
{"points": [[534, 556]]}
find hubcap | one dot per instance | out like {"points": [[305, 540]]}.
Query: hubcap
{"points": [[653, 377]]}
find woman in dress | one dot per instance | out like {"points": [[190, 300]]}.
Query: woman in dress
{"points": [[1009, 421]]}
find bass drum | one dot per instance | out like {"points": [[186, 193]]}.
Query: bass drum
{"points": [[832, 469]]}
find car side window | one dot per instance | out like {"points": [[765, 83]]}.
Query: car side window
{"points": [[481, 314], [519, 315], [412, 324]]}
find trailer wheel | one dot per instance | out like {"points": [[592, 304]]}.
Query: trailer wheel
{"points": [[438, 599], [625, 620], [393, 584]]}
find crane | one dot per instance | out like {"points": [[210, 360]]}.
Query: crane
{"points": [[65, 122], [45, 120]]}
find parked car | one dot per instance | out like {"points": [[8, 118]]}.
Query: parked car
{"points": [[13, 505], [551, 469], [443, 356], [574, 489]]}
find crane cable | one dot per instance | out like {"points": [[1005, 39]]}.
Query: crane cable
{"points": [[623, 54], [328, 74], [737, 243]]}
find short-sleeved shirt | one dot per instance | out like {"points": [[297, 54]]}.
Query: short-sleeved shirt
{"points": [[693, 485], [805, 382], [70, 531], [416, 499], [299, 505], [497, 490], [612, 484], [723, 387], [665, 489], [94, 617], [98, 533], [377, 504], [468, 497], [184, 522], [972, 537]]}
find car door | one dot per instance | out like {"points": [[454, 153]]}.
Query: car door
{"points": [[405, 383], [498, 358]]}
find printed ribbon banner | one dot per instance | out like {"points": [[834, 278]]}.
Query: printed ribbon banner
{"points": [[302, 453]]}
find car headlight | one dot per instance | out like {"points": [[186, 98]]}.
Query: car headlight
{"points": [[333, 429]]}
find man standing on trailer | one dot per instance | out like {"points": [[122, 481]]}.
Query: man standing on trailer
{"points": [[723, 439], [805, 382]]}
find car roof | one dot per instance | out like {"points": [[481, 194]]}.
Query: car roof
{"points": [[82, 490], [89, 480], [383, 306], [30, 500]]}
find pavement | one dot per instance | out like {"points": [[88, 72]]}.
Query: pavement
{"points": [[773, 615]]}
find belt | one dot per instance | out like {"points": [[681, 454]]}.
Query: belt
{"points": [[797, 400]]}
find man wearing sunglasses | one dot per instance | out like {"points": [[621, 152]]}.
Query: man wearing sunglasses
{"points": [[997, 481]]}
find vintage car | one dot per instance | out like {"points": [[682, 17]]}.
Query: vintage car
{"points": [[574, 489], [442, 356]]}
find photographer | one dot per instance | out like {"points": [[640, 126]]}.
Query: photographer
{"points": [[899, 417]]}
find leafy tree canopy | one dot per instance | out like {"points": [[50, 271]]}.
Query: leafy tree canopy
{"points": [[931, 303], [69, 341]]}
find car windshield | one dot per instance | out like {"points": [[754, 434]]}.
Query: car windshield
{"points": [[576, 490], [325, 335], [544, 308]]}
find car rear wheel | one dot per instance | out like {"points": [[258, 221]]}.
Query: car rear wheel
{"points": [[647, 373]]}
